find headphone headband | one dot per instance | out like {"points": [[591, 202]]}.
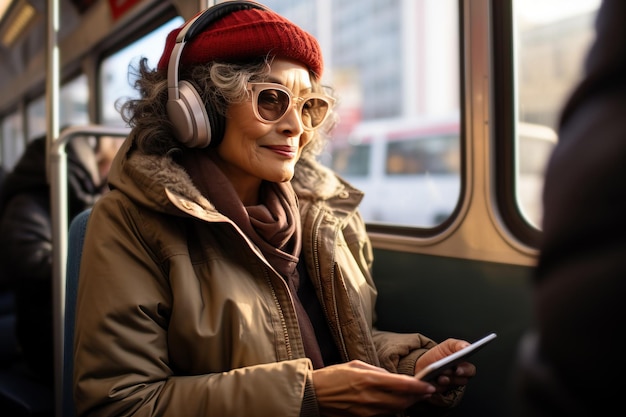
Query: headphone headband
{"points": [[215, 13], [185, 108]]}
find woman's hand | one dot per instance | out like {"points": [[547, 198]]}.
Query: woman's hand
{"points": [[359, 389], [451, 378]]}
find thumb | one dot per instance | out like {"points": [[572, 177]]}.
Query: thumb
{"points": [[449, 346]]}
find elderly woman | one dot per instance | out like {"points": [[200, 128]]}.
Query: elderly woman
{"points": [[227, 272]]}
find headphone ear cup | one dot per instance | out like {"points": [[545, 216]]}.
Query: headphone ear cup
{"points": [[189, 117]]}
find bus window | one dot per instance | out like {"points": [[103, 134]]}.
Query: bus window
{"points": [[535, 145], [36, 118], [72, 108], [394, 65], [556, 34], [115, 83], [13, 144], [74, 99], [409, 170]]}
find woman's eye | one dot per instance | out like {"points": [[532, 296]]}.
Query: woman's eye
{"points": [[269, 97]]}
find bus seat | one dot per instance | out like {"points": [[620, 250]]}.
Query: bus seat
{"points": [[76, 237]]}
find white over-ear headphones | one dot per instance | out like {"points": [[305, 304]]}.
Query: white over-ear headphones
{"points": [[194, 125]]}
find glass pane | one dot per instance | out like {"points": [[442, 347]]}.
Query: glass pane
{"points": [[551, 40], [114, 74], [73, 110], [395, 67], [12, 140], [36, 118]]}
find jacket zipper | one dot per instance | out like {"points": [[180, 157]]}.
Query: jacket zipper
{"points": [[282, 315], [315, 244]]}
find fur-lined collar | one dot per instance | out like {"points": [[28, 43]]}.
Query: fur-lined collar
{"points": [[145, 177]]}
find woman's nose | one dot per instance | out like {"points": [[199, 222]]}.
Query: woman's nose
{"points": [[292, 121]]}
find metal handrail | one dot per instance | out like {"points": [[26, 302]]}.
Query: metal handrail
{"points": [[57, 159]]}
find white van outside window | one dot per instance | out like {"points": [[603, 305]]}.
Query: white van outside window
{"points": [[410, 170]]}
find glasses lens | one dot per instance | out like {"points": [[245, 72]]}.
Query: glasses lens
{"points": [[314, 112], [272, 104]]}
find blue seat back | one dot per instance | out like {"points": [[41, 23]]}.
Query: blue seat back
{"points": [[76, 238]]}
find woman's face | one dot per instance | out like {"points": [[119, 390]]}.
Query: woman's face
{"points": [[253, 150]]}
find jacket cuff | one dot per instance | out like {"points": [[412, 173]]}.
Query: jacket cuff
{"points": [[448, 399], [406, 365]]}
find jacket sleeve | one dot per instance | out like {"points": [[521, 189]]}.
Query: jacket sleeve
{"points": [[26, 235], [121, 359]]}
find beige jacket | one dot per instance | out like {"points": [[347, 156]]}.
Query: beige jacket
{"points": [[179, 314]]}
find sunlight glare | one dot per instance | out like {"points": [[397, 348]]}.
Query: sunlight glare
{"points": [[545, 11]]}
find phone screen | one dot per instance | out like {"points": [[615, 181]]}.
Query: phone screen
{"points": [[435, 369]]}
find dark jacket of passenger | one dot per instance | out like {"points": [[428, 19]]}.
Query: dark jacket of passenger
{"points": [[26, 240], [575, 365]]}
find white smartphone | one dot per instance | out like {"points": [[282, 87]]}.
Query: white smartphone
{"points": [[435, 369]]}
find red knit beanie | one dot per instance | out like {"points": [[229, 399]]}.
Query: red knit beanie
{"points": [[247, 34]]}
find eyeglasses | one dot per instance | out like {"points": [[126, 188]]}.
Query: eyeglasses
{"points": [[271, 101]]}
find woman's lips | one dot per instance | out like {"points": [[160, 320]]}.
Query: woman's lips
{"points": [[284, 150]]}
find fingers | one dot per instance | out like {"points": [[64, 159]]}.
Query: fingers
{"points": [[360, 389], [440, 351], [465, 369], [444, 382], [449, 346], [460, 375], [356, 388]]}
